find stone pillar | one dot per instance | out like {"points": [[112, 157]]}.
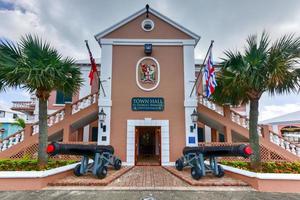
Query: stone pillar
{"points": [[66, 132], [80, 135], [28, 130], [228, 134], [214, 135], [86, 133], [67, 128], [266, 132], [207, 133], [227, 113], [190, 101]]}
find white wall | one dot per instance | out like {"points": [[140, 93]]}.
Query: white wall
{"points": [[8, 118]]}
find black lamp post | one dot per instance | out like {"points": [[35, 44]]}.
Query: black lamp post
{"points": [[102, 116], [194, 117]]}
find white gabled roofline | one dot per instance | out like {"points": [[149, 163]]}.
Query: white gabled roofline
{"points": [[154, 12]]}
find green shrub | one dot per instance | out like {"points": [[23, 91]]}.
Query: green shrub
{"points": [[30, 165], [267, 167]]}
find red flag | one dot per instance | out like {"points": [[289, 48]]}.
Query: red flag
{"points": [[93, 64], [93, 69]]}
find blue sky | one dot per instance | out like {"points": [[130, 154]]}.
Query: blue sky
{"points": [[6, 5], [67, 23]]}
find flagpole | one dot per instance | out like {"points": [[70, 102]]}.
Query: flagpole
{"points": [[100, 82], [203, 64]]}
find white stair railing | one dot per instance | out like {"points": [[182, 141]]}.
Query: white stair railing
{"points": [[53, 119], [12, 140], [244, 122]]}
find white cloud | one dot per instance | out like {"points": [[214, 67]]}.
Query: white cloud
{"points": [[4, 104], [67, 23], [272, 111]]}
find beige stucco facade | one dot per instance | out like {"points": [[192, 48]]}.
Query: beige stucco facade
{"points": [[119, 68]]}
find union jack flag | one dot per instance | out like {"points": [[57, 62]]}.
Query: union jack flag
{"points": [[210, 77]]}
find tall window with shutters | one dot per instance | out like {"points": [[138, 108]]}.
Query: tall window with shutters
{"points": [[62, 98]]}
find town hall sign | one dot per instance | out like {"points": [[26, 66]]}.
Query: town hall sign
{"points": [[147, 73]]}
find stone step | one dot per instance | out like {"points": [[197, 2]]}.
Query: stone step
{"points": [[208, 180], [91, 180]]}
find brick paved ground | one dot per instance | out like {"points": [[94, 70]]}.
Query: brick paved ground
{"points": [[208, 180], [90, 180], [148, 176]]}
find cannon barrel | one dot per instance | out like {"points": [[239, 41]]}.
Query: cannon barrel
{"points": [[78, 149], [220, 151]]}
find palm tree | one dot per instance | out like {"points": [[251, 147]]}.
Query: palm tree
{"points": [[34, 65], [261, 67], [19, 122]]}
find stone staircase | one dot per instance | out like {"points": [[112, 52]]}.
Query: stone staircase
{"points": [[60, 125], [236, 129]]}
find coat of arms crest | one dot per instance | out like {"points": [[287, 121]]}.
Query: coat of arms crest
{"points": [[147, 73]]}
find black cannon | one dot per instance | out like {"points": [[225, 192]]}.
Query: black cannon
{"points": [[195, 157], [102, 156]]}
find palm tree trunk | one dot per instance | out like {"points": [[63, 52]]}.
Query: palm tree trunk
{"points": [[43, 133], [253, 134]]}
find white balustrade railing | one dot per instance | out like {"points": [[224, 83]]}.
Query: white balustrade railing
{"points": [[284, 143], [52, 120], [12, 140], [84, 103], [211, 105], [290, 143]]}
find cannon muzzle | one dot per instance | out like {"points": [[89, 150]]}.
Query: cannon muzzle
{"points": [[78, 149], [220, 151]]}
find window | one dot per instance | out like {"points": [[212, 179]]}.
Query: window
{"points": [[147, 25], [61, 98], [200, 135], [2, 113], [221, 137], [95, 134], [15, 116]]}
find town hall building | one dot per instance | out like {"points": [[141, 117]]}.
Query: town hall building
{"points": [[143, 102], [147, 73]]}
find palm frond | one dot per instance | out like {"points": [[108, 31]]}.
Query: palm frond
{"points": [[36, 66], [262, 67], [283, 57], [19, 122]]}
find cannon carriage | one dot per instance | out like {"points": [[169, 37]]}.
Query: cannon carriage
{"points": [[102, 156], [195, 157]]}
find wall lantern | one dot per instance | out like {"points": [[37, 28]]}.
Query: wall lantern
{"points": [[102, 117], [194, 117], [148, 49]]}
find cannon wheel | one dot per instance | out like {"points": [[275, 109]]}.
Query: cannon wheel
{"points": [[221, 172], [117, 164], [77, 170], [101, 172], [196, 173], [179, 164]]}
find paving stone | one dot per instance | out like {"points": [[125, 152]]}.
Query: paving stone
{"points": [[148, 176]]}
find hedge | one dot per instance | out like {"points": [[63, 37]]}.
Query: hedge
{"points": [[30, 165], [267, 167]]}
